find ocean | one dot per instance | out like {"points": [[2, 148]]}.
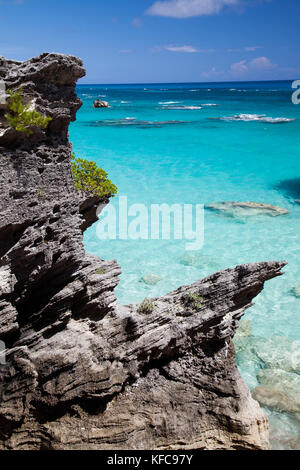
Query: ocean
{"points": [[198, 144]]}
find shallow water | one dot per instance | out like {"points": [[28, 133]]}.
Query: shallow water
{"points": [[168, 144]]}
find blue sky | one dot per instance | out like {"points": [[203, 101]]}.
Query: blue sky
{"points": [[144, 41]]}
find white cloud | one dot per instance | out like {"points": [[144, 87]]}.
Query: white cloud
{"points": [[187, 49], [247, 49], [252, 48], [213, 73], [239, 67], [188, 8], [260, 63]]}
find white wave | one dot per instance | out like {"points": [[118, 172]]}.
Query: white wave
{"points": [[130, 118], [256, 117], [169, 102], [182, 107], [209, 104]]}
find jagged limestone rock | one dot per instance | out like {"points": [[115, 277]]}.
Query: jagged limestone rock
{"points": [[83, 372]]}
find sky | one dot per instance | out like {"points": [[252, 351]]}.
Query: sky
{"points": [[167, 41]]}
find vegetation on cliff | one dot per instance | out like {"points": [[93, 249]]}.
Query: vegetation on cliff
{"points": [[88, 177], [146, 307], [21, 117]]}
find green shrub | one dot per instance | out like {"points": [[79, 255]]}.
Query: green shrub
{"points": [[195, 300], [21, 117], [146, 307], [100, 271], [88, 177]]}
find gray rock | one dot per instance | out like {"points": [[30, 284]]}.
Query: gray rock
{"points": [[246, 209], [83, 372], [197, 259], [280, 352], [277, 352], [100, 104], [296, 291], [279, 389], [282, 381], [244, 329], [151, 279]]}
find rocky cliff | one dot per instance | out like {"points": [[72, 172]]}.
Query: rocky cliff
{"points": [[81, 371]]}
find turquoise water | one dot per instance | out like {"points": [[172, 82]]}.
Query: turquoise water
{"points": [[159, 144]]}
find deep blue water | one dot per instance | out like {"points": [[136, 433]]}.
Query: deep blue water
{"points": [[165, 143]]}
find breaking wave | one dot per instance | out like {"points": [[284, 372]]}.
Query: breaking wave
{"points": [[182, 107], [256, 117]]}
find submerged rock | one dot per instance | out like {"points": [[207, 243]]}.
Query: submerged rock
{"points": [[244, 329], [279, 389], [277, 352], [81, 371], [246, 209], [197, 259], [282, 381], [280, 352], [100, 104], [296, 291], [272, 398], [151, 279]]}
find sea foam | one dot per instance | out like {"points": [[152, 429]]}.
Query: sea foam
{"points": [[256, 117]]}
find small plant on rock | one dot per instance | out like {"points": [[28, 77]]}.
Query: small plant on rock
{"points": [[195, 300], [100, 271], [146, 307], [21, 117], [88, 177]]}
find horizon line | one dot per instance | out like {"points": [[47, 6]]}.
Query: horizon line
{"points": [[190, 83]]}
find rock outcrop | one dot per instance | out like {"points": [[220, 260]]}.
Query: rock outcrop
{"points": [[100, 104], [246, 209], [81, 371]]}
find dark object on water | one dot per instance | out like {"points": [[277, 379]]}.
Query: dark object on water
{"points": [[100, 104]]}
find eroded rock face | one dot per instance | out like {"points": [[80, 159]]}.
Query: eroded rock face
{"points": [[83, 372]]}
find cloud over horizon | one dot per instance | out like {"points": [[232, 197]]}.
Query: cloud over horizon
{"points": [[189, 8], [260, 63]]}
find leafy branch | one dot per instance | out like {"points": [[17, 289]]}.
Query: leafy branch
{"points": [[88, 177], [21, 117]]}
